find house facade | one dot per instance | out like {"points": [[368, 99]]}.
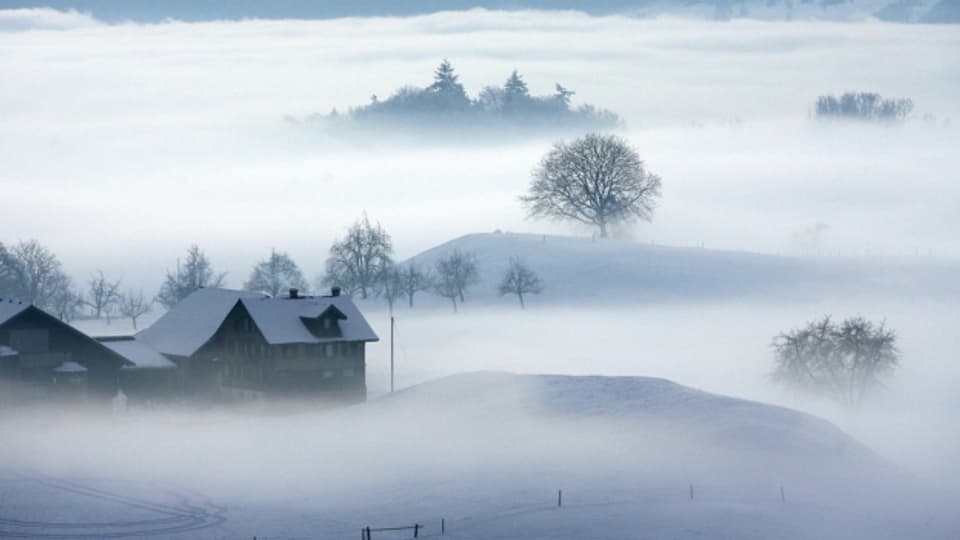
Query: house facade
{"points": [[225, 343]]}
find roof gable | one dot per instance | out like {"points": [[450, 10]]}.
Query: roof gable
{"points": [[190, 324], [11, 308]]}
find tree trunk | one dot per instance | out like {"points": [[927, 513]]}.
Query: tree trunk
{"points": [[410, 298], [520, 296], [603, 228], [454, 299]]}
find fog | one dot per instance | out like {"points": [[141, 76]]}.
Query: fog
{"points": [[123, 144], [175, 132]]}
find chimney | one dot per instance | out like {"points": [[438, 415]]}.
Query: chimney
{"points": [[294, 294], [334, 291]]}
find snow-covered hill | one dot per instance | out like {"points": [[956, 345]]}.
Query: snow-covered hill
{"points": [[484, 452], [583, 270]]}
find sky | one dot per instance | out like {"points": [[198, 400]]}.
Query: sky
{"points": [[123, 144]]}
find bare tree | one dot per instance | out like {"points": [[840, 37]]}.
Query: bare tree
{"points": [[519, 279], [39, 277], [275, 275], [196, 272], [392, 285], [456, 273], [445, 286], [67, 303], [133, 305], [597, 180], [102, 293], [414, 280], [357, 262], [841, 361]]}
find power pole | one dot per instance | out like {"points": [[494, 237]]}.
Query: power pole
{"points": [[391, 354]]}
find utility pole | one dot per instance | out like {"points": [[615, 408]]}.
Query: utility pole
{"points": [[391, 354]]}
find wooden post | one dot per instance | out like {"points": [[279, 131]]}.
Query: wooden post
{"points": [[391, 355], [783, 496], [416, 530], [443, 526], [559, 498], [691, 492]]}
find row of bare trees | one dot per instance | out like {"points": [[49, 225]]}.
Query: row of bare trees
{"points": [[32, 273], [362, 264]]}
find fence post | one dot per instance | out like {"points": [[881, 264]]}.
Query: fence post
{"points": [[783, 496], [416, 530], [443, 526], [368, 532], [691, 492], [559, 498]]}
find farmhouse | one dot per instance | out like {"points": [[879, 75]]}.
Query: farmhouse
{"points": [[222, 343], [38, 348]]}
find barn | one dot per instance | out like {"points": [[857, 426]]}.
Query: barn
{"points": [[38, 348]]}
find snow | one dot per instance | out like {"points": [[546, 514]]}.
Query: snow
{"points": [[7, 351], [11, 308], [70, 367], [576, 270], [191, 323], [182, 330], [486, 452], [279, 319], [138, 353]]}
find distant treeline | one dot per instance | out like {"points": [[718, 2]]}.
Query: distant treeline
{"points": [[863, 106], [445, 105]]}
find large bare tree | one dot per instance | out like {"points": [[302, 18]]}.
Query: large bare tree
{"points": [[842, 361], [597, 180], [356, 263], [194, 273], [520, 279], [275, 275], [102, 293], [39, 277]]}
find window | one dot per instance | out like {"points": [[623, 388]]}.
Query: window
{"points": [[327, 323], [329, 350]]}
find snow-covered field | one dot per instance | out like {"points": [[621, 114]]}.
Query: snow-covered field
{"points": [[484, 452]]}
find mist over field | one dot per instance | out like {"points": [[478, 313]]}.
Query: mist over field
{"points": [[176, 132], [124, 143]]}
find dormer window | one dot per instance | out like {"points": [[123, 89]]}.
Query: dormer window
{"points": [[326, 324]]}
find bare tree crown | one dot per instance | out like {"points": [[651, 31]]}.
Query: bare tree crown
{"points": [[842, 361], [597, 180]]}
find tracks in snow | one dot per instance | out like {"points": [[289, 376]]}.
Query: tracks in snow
{"points": [[182, 513]]}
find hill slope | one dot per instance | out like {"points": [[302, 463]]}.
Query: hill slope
{"points": [[580, 269]]}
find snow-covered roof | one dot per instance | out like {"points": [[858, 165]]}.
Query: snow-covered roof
{"points": [[187, 327], [70, 367], [8, 351], [140, 354], [279, 319], [11, 308], [192, 322]]}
